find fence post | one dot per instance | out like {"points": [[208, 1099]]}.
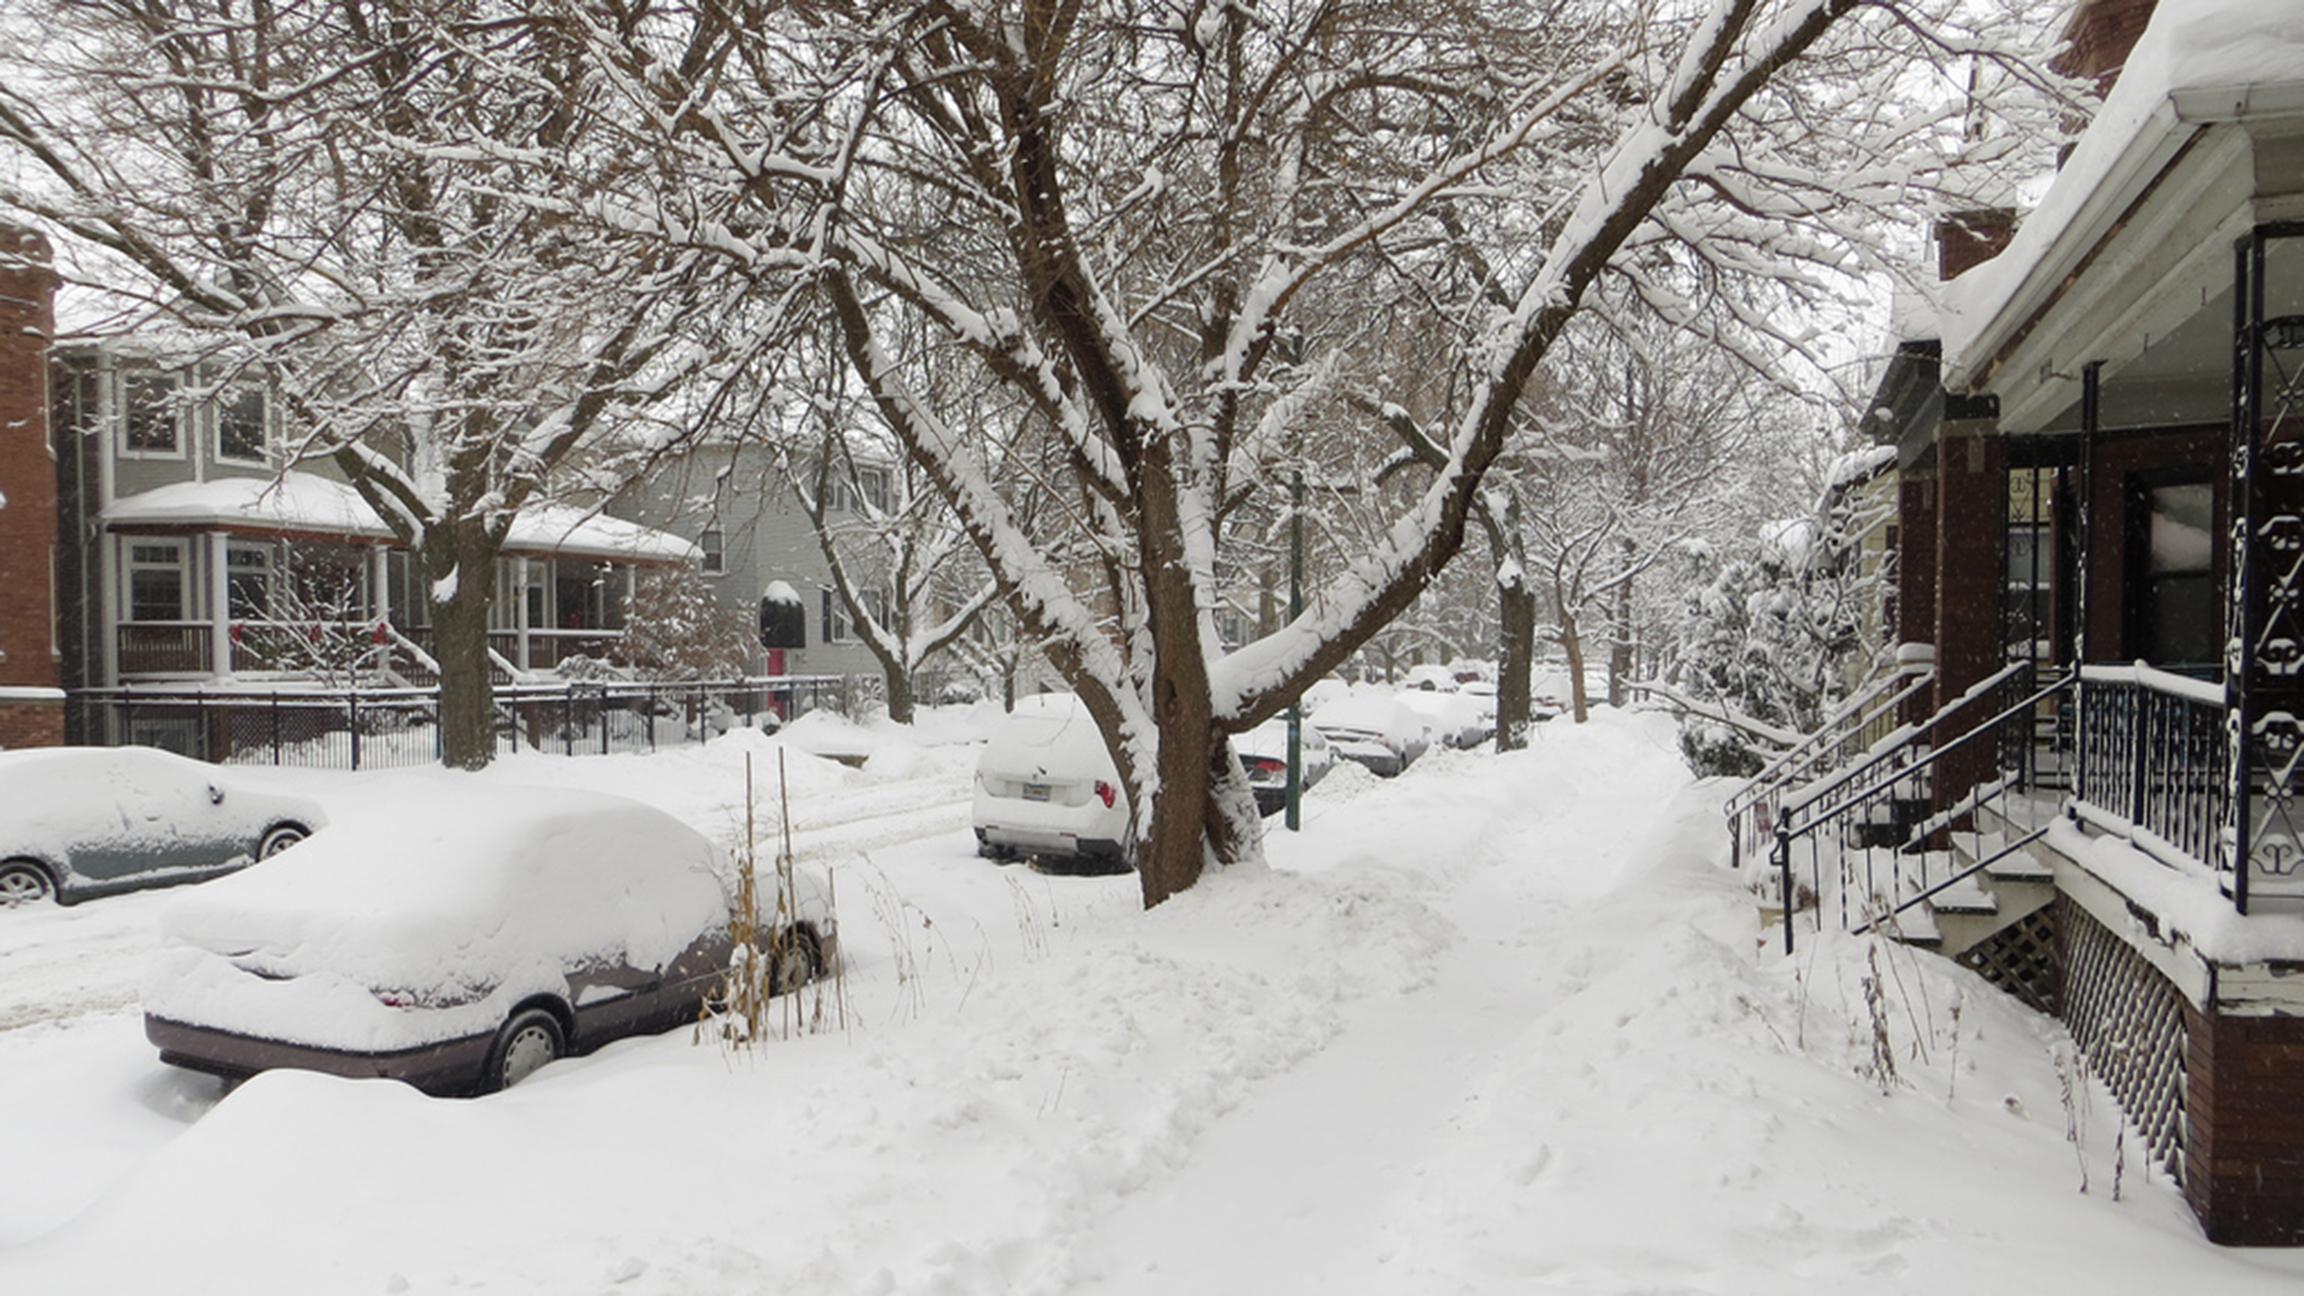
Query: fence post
{"points": [[355, 706], [654, 693], [200, 718], [1784, 878], [568, 722], [274, 711], [127, 720], [600, 708]]}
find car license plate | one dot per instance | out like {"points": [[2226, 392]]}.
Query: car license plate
{"points": [[1035, 791]]}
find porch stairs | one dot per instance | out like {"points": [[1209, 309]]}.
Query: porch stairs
{"points": [[1881, 848]]}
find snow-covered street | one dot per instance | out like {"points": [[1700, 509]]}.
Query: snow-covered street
{"points": [[1500, 1025]]}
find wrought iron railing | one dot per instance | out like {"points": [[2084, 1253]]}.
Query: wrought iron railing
{"points": [[364, 729], [2152, 761], [1877, 840], [1865, 722]]}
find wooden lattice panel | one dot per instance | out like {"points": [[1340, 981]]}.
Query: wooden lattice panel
{"points": [[2021, 960], [2129, 1019]]}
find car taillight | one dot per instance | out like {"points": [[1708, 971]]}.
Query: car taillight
{"points": [[1266, 765], [394, 998], [1105, 792]]}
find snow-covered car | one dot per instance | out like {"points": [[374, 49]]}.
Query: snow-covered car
{"points": [[1377, 730], [459, 940], [1263, 753], [1046, 788], [77, 822], [1454, 719], [1430, 678]]}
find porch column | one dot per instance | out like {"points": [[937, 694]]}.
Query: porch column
{"points": [[219, 604], [520, 610], [380, 583], [1971, 581], [1915, 618]]}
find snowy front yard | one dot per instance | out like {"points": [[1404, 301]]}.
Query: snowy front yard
{"points": [[1500, 1025]]}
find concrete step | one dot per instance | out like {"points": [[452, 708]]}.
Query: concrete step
{"points": [[1965, 898]]}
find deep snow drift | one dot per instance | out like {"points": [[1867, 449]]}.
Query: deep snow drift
{"points": [[1501, 1025]]}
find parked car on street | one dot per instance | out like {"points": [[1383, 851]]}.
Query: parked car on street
{"points": [[459, 940], [1454, 719], [1377, 730], [1046, 789], [1430, 678], [1263, 753], [78, 822]]}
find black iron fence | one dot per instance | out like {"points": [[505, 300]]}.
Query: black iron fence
{"points": [[395, 728], [2152, 761]]}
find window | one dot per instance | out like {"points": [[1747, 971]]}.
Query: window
{"points": [[248, 582], [876, 606], [148, 414], [835, 618], [240, 432], [156, 580], [2025, 612], [2177, 608], [873, 483], [715, 556]]}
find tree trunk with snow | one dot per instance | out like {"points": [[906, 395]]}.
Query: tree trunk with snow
{"points": [[1516, 611]]}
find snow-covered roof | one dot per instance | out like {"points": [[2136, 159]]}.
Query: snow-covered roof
{"points": [[2199, 62], [296, 501]]}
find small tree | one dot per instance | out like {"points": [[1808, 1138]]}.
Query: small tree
{"points": [[677, 630]]}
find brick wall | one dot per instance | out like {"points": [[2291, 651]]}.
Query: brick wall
{"points": [[2244, 1142], [2101, 34], [28, 481]]}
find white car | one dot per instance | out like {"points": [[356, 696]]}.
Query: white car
{"points": [[1263, 753], [1046, 788], [1430, 678], [460, 939], [1377, 730], [79, 822], [1455, 719]]}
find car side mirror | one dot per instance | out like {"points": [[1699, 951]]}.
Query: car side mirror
{"points": [[215, 795]]}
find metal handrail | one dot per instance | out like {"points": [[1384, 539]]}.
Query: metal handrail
{"points": [[1817, 791], [1852, 717]]}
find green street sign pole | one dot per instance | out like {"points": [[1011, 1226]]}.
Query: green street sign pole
{"points": [[1295, 610]]}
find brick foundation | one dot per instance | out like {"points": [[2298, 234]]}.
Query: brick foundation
{"points": [[2244, 1142], [31, 724]]}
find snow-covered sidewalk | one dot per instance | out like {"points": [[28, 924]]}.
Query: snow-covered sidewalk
{"points": [[1500, 1025]]}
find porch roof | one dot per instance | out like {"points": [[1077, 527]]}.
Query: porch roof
{"points": [[2132, 239], [305, 504]]}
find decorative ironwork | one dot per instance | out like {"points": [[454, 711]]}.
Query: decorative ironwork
{"points": [[2261, 849], [2151, 759], [2129, 1020]]}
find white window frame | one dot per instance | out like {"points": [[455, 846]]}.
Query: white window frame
{"points": [[872, 485], [125, 412], [216, 409], [130, 564], [714, 543], [835, 620]]}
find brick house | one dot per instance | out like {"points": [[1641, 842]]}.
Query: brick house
{"points": [[2096, 795], [31, 698]]}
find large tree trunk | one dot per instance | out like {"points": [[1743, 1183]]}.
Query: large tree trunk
{"points": [[900, 695], [460, 643], [1620, 640], [1516, 608]]}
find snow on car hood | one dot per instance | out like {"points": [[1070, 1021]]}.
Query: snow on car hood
{"points": [[456, 888]]}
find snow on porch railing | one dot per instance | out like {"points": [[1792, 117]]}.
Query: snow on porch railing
{"points": [[2152, 762]]}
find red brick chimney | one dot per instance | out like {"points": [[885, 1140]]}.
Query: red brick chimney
{"points": [[1967, 239], [2099, 37], [31, 705]]}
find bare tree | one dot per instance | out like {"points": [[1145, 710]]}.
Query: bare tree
{"points": [[327, 194], [1156, 230]]}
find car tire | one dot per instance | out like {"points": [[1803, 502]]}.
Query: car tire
{"points": [[278, 838], [23, 882], [799, 960], [530, 1040]]}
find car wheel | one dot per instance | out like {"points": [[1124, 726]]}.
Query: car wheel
{"points": [[528, 1041], [279, 838], [23, 882], [799, 960]]}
